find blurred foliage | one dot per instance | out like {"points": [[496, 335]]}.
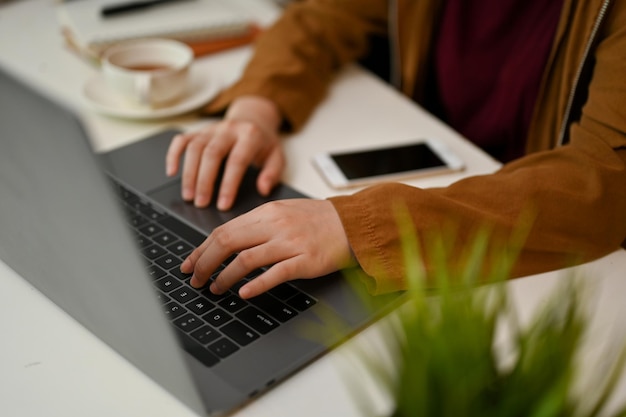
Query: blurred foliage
{"points": [[450, 362]]}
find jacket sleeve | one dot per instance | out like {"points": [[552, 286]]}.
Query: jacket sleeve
{"points": [[295, 59], [576, 193]]}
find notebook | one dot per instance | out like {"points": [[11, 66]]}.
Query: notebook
{"points": [[81, 228], [206, 25]]}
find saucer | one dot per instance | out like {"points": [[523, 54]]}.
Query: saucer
{"points": [[105, 101]]}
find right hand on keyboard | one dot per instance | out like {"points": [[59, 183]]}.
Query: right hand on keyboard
{"points": [[299, 238]]}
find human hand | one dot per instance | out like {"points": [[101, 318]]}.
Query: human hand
{"points": [[297, 238], [247, 135]]}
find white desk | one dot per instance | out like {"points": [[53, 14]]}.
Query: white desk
{"points": [[51, 366]]}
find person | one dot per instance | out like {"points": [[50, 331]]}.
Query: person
{"points": [[539, 84]]}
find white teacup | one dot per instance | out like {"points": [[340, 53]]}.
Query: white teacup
{"points": [[148, 72]]}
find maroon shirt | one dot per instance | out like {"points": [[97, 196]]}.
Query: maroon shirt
{"points": [[489, 60]]}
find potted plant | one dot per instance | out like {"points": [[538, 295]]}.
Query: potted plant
{"points": [[449, 356]]}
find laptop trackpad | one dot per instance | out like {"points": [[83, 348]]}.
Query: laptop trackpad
{"points": [[207, 219], [141, 165]]}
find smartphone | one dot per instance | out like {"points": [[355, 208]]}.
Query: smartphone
{"points": [[418, 158]]}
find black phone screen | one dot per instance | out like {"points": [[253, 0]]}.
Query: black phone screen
{"points": [[386, 161]]}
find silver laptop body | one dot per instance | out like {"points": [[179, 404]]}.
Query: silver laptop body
{"points": [[63, 229]]}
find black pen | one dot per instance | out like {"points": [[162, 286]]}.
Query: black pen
{"points": [[120, 8]]}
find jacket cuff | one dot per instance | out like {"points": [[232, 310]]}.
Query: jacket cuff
{"points": [[378, 254]]}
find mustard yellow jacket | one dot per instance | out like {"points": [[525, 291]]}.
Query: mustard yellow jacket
{"points": [[573, 179]]}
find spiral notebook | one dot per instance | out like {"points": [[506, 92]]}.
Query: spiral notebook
{"points": [[206, 25]]}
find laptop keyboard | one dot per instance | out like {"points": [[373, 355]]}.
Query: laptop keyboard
{"points": [[211, 327]]}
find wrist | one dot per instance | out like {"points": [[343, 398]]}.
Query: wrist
{"points": [[259, 110]]}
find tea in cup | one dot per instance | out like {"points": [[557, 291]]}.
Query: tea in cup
{"points": [[148, 72]]}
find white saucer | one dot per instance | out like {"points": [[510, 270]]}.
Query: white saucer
{"points": [[201, 90]]}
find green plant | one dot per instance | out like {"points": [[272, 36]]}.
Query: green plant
{"points": [[449, 360]]}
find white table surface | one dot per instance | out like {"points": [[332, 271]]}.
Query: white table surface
{"points": [[51, 366]]}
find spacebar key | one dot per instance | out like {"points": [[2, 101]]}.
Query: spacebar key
{"points": [[196, 350]]}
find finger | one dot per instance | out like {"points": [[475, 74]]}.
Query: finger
{"points": [[212, 156], [246, 262], [229, 238], [189, 262], [191, 164], [277, 274], [202, 264], [237, 163], [174, 152], [271, 172], [205, 259]]}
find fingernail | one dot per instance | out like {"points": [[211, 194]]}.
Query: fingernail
{"points": [[201, 200], [265, 187], [214, 289], [186, 266], [244, 292], [187, 194], [194, 282], [223, 203]]}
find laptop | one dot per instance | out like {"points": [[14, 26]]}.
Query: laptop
{"points": [[101, 235]]}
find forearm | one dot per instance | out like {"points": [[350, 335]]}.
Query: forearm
{"points": [[295, 60], [575, 197]]}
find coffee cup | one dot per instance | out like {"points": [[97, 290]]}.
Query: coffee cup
{"points": [[148, 72]]}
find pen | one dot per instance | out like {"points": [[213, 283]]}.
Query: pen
{"points": [[120, 8]]}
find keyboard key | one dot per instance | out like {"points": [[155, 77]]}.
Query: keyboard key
{"points": [[180, 248], [301, 301], [239, 332], [188, 322], [155, 272], [150, 229], [168, 261], [283, 291], [151, 213], [167, 284], [125, 194], [223, 347], [165, 238], [179, 274], [183, 295], [256, 319], [217, 317], [137, 220], [274, 307], [205, 334], [142, 241], [232, 303], [197, 350], [208, 294], [173, 310], [137, 204], [153, 252], [200, 306]]}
